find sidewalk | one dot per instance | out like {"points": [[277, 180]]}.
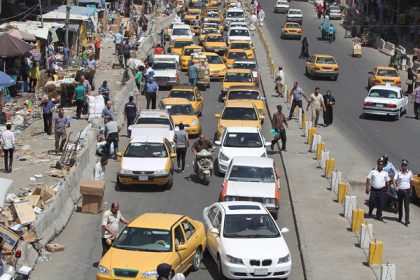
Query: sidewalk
{"points": [[327, 244]]}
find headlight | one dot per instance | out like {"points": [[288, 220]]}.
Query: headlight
{"points": [[230, 198], [222, 156], [126, 172], [102, 269], [263, 154], [284, 259], [233, 260], [225, 89], [150, 274], [161, 172], [194, 122], [270, 201]]}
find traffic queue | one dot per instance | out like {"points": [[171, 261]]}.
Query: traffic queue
{"points": [[239, 230]]}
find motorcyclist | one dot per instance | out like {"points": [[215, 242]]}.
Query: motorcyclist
{"points": [[201, 144], [390, 168], [331, 33]]}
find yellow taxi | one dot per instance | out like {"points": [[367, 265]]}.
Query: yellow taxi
{"points": [[216, 65], [234, 54], [186, 55], [214, 42], [238, 114], [237, 77], [191, 93], [213, 3], [291, 30], [205, 31], [192, 14], [247, 94], [152, 239], [177, 45], [416, 190], [243, 45], [217, 22], [182, 111], [322, 65], [147, 159], [382, 75]]}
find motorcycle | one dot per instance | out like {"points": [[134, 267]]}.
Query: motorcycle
{"points": [[204, 165]]}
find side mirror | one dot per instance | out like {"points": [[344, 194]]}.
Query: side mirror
{"points": [[215, 231], [284, 230], [267, 144], [262, 117], [119, 154], [217, 143], [370, 73], [181, 247], [217, 116], [173, 155]]}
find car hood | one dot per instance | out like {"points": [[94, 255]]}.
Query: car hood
{"points": [[230, 123], [185, 119], [256, 248], [143, 164], [232, 152], [254, 189]]}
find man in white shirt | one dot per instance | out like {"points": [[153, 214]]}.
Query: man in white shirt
{"points": [[403, 182], [280, 81], [99, 172], [377, 184], [110, 226], [8, 144]]}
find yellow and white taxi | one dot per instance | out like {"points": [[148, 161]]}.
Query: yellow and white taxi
{"points": [[381, 75], [192, 14], [216, 65], [237, 77], [214, 42], [322, 65], [186, 55], [191, 93], [247, 94], [234, 54], [152, 239], [291, 30], [243, 45], [205, 31], [177, 45], [182, 111]]}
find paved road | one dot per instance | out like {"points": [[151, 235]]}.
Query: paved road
{"points": [[375, 136]]}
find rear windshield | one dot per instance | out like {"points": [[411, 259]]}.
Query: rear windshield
{"points": [[181, 44], [244, 65], [181, 32], [162, 65], [188, 94], [239, 77], [237, 55], [243, 46], [214, 60], [383, 93], [244, 114], [292, 25], [215, 39], [238, 32], [387, 72], [235, 14], [325, 60], [244, 94]]}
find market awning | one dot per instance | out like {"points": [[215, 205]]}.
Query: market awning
{"points": [[32, 27], [12, 46], [23, 35]]}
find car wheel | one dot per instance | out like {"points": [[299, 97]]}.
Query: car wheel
{"points": [[197, 259], [275, 215], [170, 183], [220, 270], [335, 78], [414, 196], [307, 73], [398, 116], [119, 186]]}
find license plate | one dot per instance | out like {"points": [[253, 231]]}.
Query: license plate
{"points": [[143, 178], [327, 68], [215, 75], [379, 105], [217, 50], [260, 271], [161, 84]]}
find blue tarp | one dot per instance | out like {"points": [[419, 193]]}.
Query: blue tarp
{"points": [[5, 80], [77, 10], [100, 3]]}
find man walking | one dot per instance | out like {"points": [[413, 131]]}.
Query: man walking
{"points": [[47, 106], [297, 95], [8, 142], [329, 102], [107, 112], [279, 76], [417, 101], [118, 38], [403, 182], [316, 102], [60, 124], [377, 184], [279, 125], [181, 143], [110, 226], [104, 91], [126, 52], [152, 89], [79, 96], [97, 42], [99, 171], [130, 113], [193, 73], [111, 131]]}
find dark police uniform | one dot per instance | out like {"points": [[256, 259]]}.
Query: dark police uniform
{"points": [[130, 111], [378, 183]]}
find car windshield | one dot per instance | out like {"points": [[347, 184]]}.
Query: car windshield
{"points": [[243, 140], [181, 44], [335, 9], [210, 24], [325, 60], [238, 77], [250, 226], [180, 109], [243, 46], [252, 174], [146, 150], [152, 121], [144, 239], [209, 30], [387, 72], [194, 12], [188, 94], [235, 14], [383, 93], [244, 94], [245, 65], [163, 65], [238, 32], [215, 39], [189, 51], [181, 32], [291, 12], [237, 113], [212, 15], [292, 25], [237, 55], [213, 59]]}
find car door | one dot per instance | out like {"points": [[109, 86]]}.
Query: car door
{"points": [[217, 223], [192, 241], [211, 238], [179, 239], [403, 100]]}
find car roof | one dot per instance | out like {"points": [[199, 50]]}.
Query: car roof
{"points": [[242, 207], [239, 104], [183, 87], [248, 61], [175, 100], [248, 129], [146, 113], [253, 161], [323, 55], [156, 220], [247, 71], [388, 87], [385, 68]]}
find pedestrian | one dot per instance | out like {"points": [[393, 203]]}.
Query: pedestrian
{"points": [[279, 80], [107, 112], [100, 167], [258, 9], [279, 125], [66, 56], [47, 107], [319, 10], [192, 73], [91, 63], [139, 77], [297, 95], [84, 56], [118, 38], [110, 226], [255, 6], [329, 102], [261, 17], [181, 144], [390, 168], [8, 144], [164, 271], [34, 75], [416, 97], [254, 22], [60, 123], [305, 49], [159, 50], [80, 96], [152, 89], [97, 43], [410, 80], [377, 184], [126, 52], [403, 182], [130, 112], [149, 72], [316, 102], [104, 90], [327, 11], [86, 84]]}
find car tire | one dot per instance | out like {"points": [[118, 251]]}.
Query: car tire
{"points": [[170, 183], [334, 78], [414, 196], [308, 74], [198, 256], [275, 215], [220, 274], [398, 116], [119, 186]]}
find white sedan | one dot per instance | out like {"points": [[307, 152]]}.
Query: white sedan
{"points": [[245, 241], [385, 100], [295, 15], [281, 6], [238, 33]]}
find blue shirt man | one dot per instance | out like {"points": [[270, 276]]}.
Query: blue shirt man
{"points": [[151, 93], [118, 38], [104, 91], [193, 73]]}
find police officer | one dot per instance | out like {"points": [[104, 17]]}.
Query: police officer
{"points": [[403, 182], [377, 184], [130, 112]]}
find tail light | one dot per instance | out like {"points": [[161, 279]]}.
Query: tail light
{"points": [[317, 68], [391, 105], [398, 82], [368, 104], [277, 193], [377, 81], [224, 191], [18, 254], [336, 69]]}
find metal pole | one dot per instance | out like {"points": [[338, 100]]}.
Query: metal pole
{"points": [[40, 10], [68, 8]]}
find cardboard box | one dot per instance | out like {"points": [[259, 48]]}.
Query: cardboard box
{"points": [[34, 199], [9, 238], [47, 193], [91, 204], [92, 187], [54, 247], [22, 212], [28, 235]]}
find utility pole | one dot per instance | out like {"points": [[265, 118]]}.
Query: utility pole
{"points": [[68, 8], [40, 10]]}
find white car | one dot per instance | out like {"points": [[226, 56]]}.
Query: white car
{"points": [[237, 24], [317, 2], [167, 70], [295, 15], [238, 34], [153, 118], [252, 179], [248, 64], [181, 31], [245, 241], [335, 13], [239, 141], [385, 100], [234, 14], [281, 6]]}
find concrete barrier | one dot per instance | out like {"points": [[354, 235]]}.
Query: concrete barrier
{"points": [[388, 272], [349, 205], [335, 180], [366, 235], [388, 48], [329, 167], [357, 219], [342, 192], [376, 248]]}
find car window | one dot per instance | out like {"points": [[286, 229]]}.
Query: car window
{"points": [[234, 14], [387, 72], [243, 46], [250, 226], [238, 77], [189, 51], [295, 12], [144, 239], [292, 25], [238, 32], [180, 109], [256, 174], [214, 38], [146, 150], [161, 65], [179, 236], [245, 114], [313, 59], [181, 32], [245, 65], [213, 59], [244, 94], [242, 140], [218, 221], [212, 213], [237, 55], [325, 60], [383, 93], [189, 229], [188, 94], [182, 44]]}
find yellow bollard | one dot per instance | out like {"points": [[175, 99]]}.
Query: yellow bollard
{"points": [[311, 131], [329, 167], [342, 192], [320, 147], [357, 220], [375, 252], [303, 121]]}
